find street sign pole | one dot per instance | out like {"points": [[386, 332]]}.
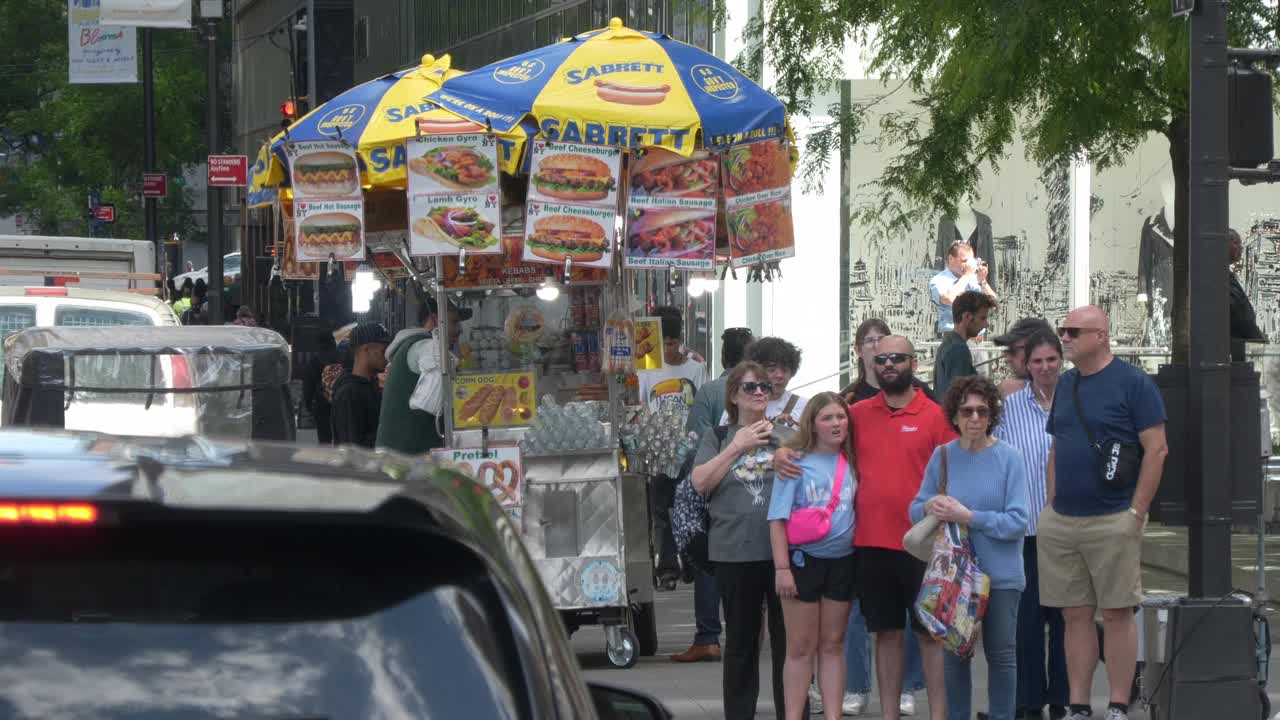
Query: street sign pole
{"points": [[1209, 409], [150, 214], [215, 191]]}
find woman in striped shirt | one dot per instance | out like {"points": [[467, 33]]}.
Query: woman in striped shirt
{"points": [[1041, 681]]}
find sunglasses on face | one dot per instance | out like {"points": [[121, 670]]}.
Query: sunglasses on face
{"points": [[981, 412], [1075, 332], [751, 388], [894, 358]]}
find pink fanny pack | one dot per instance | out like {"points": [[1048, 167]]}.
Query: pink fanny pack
{"points": [[812, 524]]}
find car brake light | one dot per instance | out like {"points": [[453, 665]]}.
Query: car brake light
{"points": [[44, 513], [46, 291], [181, 372]]}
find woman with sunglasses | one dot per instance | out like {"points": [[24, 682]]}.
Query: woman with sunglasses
{"points": [[814, 576], [735, 474], [1026, 413], [987, 492]]}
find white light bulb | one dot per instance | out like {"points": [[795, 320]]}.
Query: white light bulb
{"points": [[548, 293], [363, 288], [695, 288]]}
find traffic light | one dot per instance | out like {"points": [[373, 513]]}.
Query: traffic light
{"points": [[288, 112], [1250, 116]]}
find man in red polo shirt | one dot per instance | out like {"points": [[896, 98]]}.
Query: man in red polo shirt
{"points": [[895, 434]]}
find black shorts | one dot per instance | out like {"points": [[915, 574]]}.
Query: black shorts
{"points": [[822, 578], [890, 583]]}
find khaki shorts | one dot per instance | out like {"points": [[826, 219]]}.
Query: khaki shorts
{"points": [[1091, 561]]}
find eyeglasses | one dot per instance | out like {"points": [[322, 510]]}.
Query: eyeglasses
{"points": [[982, 412], [1075, 332], [872, 340], [751, 388], [894, 358]]}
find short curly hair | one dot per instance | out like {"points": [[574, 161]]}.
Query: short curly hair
{"points": [[962, 388], [775, 351]]}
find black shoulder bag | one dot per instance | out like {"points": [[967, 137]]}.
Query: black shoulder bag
{"points": [[1118, 462]]}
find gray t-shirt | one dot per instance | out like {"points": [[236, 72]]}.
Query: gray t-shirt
{"points": [[739, 505]]}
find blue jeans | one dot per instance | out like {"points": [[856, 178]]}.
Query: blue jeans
{"points": [[706, 608], [857, 654], [1036, 687], [999, 644]]}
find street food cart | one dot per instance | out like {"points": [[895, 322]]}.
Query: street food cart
{"points": [[541, 194], [222, 381]]}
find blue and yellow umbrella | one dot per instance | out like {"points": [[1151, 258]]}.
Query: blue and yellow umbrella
{"points": [[619, 87], [376, 118]]}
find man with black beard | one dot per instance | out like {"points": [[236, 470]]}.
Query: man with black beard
{"points": [[894, 434]]}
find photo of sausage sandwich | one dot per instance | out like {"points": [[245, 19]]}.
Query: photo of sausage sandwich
{"points": [[557, 237], [325, 174], [667, 174], [671, 233], [565, 176], [336, 233]]}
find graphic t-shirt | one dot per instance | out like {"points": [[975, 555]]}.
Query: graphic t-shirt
{"points": [[739, 531], [813, 490], [682, 380], [1118, 402]]}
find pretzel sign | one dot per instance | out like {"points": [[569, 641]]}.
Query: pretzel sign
{"points": [[503, 478]]}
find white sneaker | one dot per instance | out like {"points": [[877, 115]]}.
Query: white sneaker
{"points": [[815, 700], [854, 703], [1114, 714], [907, 704]]}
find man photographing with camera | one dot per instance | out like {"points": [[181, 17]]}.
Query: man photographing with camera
{"points": [[963, 273]]}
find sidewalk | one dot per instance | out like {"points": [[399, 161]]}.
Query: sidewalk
{"points": [[1165, 549]]}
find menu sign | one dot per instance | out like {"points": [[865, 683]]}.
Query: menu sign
{"points": [[583, 233], [757, 188], [499, 469], [572, 203], [671, 216], [493, 399], [323, 170], [453, 194], [573, 173], [329, 228]]}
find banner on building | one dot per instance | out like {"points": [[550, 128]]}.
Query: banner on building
{"points": [[147, 13], [98, 54]]}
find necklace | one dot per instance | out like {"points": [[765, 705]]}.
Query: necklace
{"points": [[1045, 400]]}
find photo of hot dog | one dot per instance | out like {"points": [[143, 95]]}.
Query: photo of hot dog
{"points": [[625, 94], [446, 126], [325, 174], [557, 237], [337, 233], [508, 407], [567, 176], [666, 174]]}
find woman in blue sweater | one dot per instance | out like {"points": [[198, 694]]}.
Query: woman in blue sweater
{"points": [[986, 491]]}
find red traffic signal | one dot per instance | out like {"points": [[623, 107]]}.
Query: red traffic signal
{"points": [[289, 109]]}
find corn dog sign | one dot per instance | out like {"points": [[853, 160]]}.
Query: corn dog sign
{"points": [[493, 400], [648, 352], [500, 470]]}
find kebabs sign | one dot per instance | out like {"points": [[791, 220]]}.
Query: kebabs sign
{"points": [[671, 216], [453, 194], [572, 204]]}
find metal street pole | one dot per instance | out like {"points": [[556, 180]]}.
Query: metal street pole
{"points": [[150, 211], [1209, 408], [215, 192]]}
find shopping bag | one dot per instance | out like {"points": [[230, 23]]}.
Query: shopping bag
{"points": [[953, 597]]}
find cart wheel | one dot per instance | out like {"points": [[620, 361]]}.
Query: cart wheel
{"points": [[645, 623], [625, 651]]}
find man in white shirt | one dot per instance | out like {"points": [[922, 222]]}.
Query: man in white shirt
{"points": [[964, 272], [682, 374]]}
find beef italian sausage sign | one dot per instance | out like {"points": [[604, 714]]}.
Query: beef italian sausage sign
{"points": [[671, 211], [500, 469]]}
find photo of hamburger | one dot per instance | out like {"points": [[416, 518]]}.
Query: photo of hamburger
{"points": [[455, 166], [565, 176], [337, 233], [325, 174], [672, 233], [663, 173], [557, 237], [461, 227]]}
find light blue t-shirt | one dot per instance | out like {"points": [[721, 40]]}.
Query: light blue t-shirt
{"points": [[941, 283], [813, 490]]}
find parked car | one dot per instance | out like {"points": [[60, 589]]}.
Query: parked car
{"points": [[230, 271], [188, 578]]}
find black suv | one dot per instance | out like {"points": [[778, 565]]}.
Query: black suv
{"points": [[151, 578]]}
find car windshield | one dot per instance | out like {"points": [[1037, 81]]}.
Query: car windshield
{"points": [[275, 622], [231, 264]]}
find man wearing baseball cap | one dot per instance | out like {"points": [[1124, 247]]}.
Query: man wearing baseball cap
{"points": [[1014, 343], [411, 421], [357, 401]]}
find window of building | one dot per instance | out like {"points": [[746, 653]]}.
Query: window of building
{"points": [[362, 37]]}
